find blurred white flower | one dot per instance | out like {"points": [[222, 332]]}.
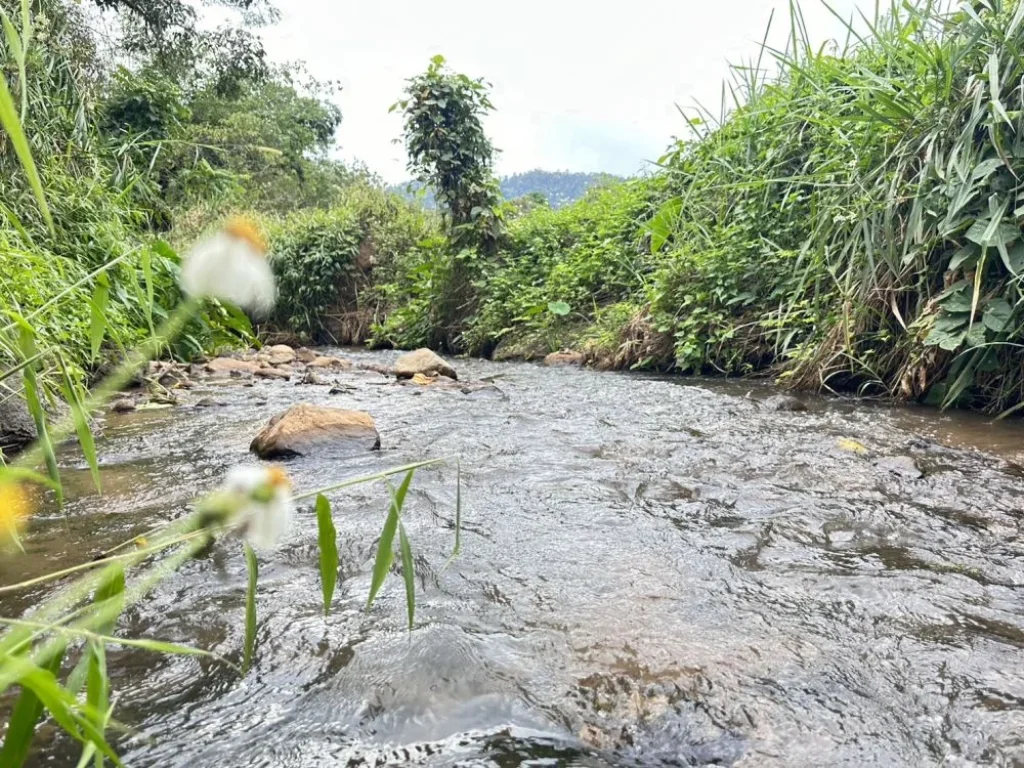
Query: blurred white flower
{"points": [[231, 265], [265, 507]]}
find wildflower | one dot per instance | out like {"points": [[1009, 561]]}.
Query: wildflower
{"points": [[263, 506], [231, 265], [15, 509]]}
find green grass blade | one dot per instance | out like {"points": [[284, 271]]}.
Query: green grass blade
{"points": [[385, 548], [34, 401], [97, 694], [18, 52], [250, 610], [147, 273], [64, 709], [81, 420], [22, 725], [12, 127], [328, 539], [98, 319], [408, 573]]}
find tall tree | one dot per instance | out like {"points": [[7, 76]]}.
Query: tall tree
{"points": [[450, 152]]}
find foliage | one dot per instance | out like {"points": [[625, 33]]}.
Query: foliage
{"points": [[854, 222], [582, 256], [329, 262], [449, 151]]}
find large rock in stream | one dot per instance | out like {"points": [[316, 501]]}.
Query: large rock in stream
{"points": [[425, 362], [305, 429], [17, 429], [280, 354], [229, 365]]}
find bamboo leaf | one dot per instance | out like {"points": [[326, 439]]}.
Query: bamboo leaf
{"points": [[33, 400], [250, 610], [81, 421], [328, 539], [12, 127], [62, 707], [22, 725], [98, 320], [97, 692], [408, 573], [385, 551]]}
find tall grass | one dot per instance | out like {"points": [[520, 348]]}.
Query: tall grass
{"points": [[850, 219], [879, 186]]}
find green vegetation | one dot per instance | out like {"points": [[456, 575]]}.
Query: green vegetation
{"points": [[853, 223]]}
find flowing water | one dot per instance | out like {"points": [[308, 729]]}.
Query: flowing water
{"points": [[656, 572]]}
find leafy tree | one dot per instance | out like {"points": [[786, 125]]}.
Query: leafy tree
{"points": [[449, 151]]}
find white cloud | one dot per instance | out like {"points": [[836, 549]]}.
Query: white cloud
{"points": [[577, 85]]}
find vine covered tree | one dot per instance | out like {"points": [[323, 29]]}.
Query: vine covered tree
{"points": [[450, 153]]}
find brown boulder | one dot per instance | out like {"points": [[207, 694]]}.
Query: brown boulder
{"points": [[423, 361], [230, 365], [273, 373], [122, 405], [330, 362], [279, 354], [304, 428], [565, 357], [304, 355]]}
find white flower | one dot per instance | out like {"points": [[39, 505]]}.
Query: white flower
{"points": [[265, 508], [232, 266]]}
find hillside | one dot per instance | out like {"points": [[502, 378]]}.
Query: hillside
{"points": [[559, 187]]}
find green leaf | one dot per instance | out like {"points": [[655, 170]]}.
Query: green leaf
{"points": [[98, 320], [111, 590], [33, 399], [408, 573], [22, 724], [992, 233], [97, 692], [966, 255], [164, 250], [559, 308], [385, 550], [63, 707], [147, 273], [975, 335], [998, 314], [664, 222], [250, 610], [1013, 258], [12, 127], [81, 421], [328, 538]]}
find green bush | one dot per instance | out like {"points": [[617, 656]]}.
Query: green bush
{"points": [[329, 262]]}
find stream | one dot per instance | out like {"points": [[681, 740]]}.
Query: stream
{"points": [[655, 572]]}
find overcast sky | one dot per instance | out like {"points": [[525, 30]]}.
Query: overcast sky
{"points": [[582, 86]]}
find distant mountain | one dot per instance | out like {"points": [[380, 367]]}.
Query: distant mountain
{"points": [[558, 187]]}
